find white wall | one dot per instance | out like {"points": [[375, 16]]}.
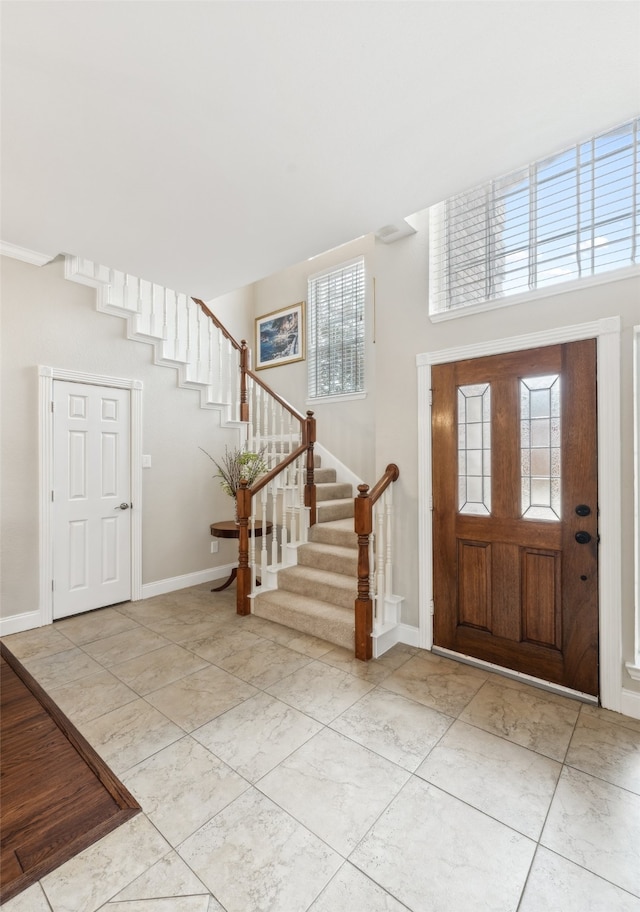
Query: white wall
{"points": [[47, 320], [387, 423], [344, 428]]}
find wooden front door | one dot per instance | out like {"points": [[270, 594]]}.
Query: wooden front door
{"points": [[515, 511]]}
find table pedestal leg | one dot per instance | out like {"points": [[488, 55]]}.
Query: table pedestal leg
{"points": [[234, 573]]}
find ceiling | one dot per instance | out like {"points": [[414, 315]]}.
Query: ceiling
{"points": [[204, 145]]}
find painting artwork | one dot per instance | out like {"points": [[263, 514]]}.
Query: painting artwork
{"points": [[280, 337]]}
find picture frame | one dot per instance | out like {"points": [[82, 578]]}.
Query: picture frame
{"points": [[280, 337]]}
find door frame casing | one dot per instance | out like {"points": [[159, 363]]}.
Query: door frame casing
{"points": [[46, 378], [607, 334]]}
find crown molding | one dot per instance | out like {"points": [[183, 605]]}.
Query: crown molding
{"points": [[27, 256]]}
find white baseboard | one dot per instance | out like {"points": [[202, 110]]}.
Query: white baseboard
{"points": [[19, 622], [409, 635], [630, 703], [399, 633], [186, 580]]}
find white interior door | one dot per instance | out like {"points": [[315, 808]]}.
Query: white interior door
{"points": [[91, 497]]}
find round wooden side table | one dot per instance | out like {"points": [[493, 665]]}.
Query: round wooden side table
{"points": [[230, 529]]}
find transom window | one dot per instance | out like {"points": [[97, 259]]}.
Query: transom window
{"points": [[568, 217], [335, 331]]}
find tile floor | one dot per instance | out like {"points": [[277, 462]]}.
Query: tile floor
{"points": [[277, 773]]}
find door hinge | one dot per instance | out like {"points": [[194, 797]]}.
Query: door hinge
{"points": [[430, 397], [53, 406], [431, 501], [53, 587], [52, 497], [432, 607]]}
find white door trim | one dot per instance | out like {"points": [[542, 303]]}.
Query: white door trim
{"points": [[607, 333], [46, 377]]}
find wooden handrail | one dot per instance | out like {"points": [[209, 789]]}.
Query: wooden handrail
{"points": [[245, 494], [283, 402], [275, 471], [363, 527], [391, 473], [225, 332]]}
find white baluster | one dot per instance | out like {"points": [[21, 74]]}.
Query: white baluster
{"points": [[263, 552], [273, 494], [378, 584], [388, 571]]}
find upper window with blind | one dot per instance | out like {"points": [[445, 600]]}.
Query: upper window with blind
{"points": [[335, 331], [569, 217]]}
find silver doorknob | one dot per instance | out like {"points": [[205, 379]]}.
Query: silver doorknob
{"points": [[123, 506]]}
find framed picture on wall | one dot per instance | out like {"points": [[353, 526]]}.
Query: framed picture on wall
{"points": [[280, 337]]}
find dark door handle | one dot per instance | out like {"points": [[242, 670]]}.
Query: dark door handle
{"points": [[583, 538]]}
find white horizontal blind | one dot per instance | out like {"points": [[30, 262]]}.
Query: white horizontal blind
{"points": [[335, 331], [573, 215]]}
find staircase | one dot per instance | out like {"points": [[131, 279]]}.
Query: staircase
{"points": [[318, 576], [317, 595]]}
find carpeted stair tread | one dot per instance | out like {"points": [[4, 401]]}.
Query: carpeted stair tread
{"points": [[333, 491], [339, 532], [329, 510], [322, 584], [335, 558], [324, 476], [308, 615]]}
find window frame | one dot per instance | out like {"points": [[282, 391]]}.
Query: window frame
{"points": [[440, 247], [359, 344]]}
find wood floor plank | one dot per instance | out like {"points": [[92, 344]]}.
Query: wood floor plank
{"points": [[57, 795]]}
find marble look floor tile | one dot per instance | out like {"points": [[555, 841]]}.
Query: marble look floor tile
{"points": [[401, 730], [351, 890], [183, 786], [608, 751], [189, 625], [334, 787], [320, 691], [436, 854], [34, 644], [506, 781], [173, 904], [129, 734], [596, 825], [256, 735], [283, 866], [525, 715], [263, 664], [94, 876], [112, 650], [30, 900], [223, 644], [94, 625], [169, 876], [156, 669], [608, 715], [196, 699], [436, 682], [92, 696], [62, 668], [300, 642], [374, 671], [158, 608], [557, 884]]}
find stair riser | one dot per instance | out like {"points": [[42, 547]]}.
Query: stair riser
{"points": [[333, 491], [327, 535], [348, 566], [328, 511]]}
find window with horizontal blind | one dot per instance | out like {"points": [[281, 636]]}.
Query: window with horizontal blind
{"points": [[568, 217], [335, 331]]}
